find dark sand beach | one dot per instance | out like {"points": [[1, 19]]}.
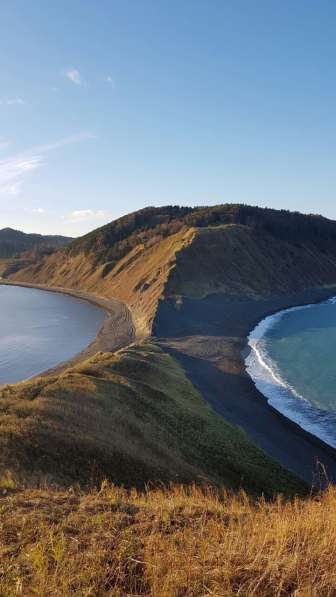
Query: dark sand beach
{"points": [[209, 338]]}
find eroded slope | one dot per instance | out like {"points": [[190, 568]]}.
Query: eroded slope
{"points": [[138, 279], [173, 252], [238, 260]]}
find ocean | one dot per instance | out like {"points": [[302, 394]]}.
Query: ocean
{"points": [[292, 361]]}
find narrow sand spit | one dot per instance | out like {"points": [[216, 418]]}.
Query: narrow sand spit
{"points": [[209, 338]]}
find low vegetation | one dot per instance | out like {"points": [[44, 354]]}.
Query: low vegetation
{"points": [[132, 417], [173, 542]]}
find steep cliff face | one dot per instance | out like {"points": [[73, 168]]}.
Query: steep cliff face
{"points": [[138, 279], [241, 261], [156, 255]]}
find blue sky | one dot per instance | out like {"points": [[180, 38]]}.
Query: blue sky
{"points": [[109, 106]]}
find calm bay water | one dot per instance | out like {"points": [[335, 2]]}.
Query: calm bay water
{"points": [[40, 329], [293, 363]]}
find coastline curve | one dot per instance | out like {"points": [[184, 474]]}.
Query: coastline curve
{"points": [[116, 331], [277, 391]]}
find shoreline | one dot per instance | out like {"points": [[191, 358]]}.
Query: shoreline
{"points": [[279, 393], [213, 358], [212, 355], [116, 331]]}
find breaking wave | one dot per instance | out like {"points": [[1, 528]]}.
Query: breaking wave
{"points": [[278, 392]]}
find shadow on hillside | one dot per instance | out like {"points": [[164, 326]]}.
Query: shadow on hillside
{"points": [[219, 315]]}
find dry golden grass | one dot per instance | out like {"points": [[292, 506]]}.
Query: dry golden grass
{"points": [[166, 543]]}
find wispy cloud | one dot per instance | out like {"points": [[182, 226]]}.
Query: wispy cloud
{"points": [[83, 215], [74, 76], [15, 169], [35, 210], [111, 81], [4, 144], [70, 140], [11, 189], [14, 101]]}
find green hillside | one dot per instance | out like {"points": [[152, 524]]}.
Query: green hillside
{"points": [[132, 418]]}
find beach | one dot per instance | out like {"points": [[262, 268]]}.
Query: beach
{"points": [[209, 338]]}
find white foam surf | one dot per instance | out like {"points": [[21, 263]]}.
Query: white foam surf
{"points": [[278, 392]]}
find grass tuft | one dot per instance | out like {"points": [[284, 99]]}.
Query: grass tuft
{"points": [[166, 542]]}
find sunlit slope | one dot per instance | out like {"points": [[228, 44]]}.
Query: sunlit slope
{"points": [[159, 253], [138, 278], [132, 417]]}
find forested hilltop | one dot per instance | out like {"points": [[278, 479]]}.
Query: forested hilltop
{"points": [[170, 252], [152, 224]]}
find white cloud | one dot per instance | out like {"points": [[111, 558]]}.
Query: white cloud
{"points": [[4, 144], [11, 189], [74, 76], [15, 169], [14, 101], [35, 210], [110, 80], [65, 141], [83, 215]]}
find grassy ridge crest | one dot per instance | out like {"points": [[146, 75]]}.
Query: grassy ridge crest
{"points": [[132, 417]]}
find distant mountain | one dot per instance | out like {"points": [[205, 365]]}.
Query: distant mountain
{"points": [[14, 242]]}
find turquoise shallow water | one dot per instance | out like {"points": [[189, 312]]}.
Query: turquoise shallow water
{"points": [[40, 329], [293, 363]]}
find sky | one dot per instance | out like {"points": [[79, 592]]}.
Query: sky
{"points": [[109, 106]]}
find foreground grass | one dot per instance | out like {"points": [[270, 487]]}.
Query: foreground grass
{"points": [[132, 417], [166, 543]]}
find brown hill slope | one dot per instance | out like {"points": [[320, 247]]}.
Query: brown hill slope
{"points": [[234, 250], [138, 279]]}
